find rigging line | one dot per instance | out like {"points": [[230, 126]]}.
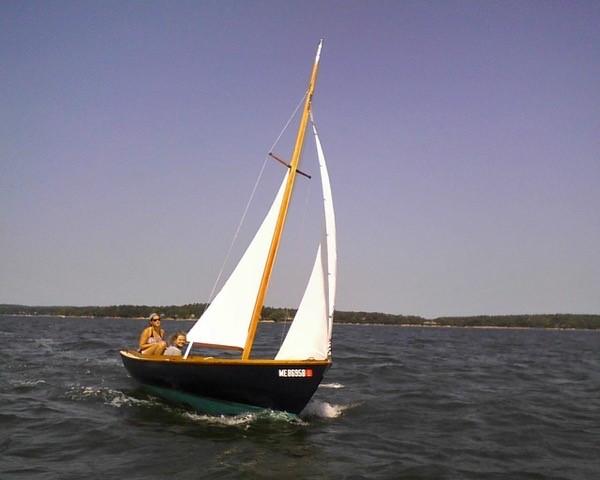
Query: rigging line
{"points": [[304, 213], [285, 327], [288, 122], [237, 231], [212, 292], [283, 330], [312, 119]]}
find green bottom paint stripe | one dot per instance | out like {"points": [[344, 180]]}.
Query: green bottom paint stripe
{"points": [[203, 404]]}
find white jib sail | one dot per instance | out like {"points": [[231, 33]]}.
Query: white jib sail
{"points": [[225, 322], [330, 233], [310, 333]]}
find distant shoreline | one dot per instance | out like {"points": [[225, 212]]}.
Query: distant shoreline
{"points": [[565, 322]]}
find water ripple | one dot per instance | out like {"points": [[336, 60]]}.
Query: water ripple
{"points": [[397, 403]]}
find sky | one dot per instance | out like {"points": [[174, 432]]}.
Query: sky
{"points": [[462, 137]]}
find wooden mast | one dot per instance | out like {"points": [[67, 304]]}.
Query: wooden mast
{"points": [[287, 195]]}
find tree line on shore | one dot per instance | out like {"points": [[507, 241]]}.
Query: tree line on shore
{"points": [[194, 310]]}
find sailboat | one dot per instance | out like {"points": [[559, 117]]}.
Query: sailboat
{"points": [[287, 382]]}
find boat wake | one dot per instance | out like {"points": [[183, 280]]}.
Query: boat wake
{"points": [[331, 385], [244, 420], [229, 421], [26, 383], [319, 409], [314, 410], [116, 398], [109, 396]]}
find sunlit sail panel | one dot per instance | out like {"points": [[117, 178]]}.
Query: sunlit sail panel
{"points": [[310, 333], [225, 322], [330, 232]]}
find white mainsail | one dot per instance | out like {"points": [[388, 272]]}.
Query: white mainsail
{"points": [[225, 322], [309, 336]]}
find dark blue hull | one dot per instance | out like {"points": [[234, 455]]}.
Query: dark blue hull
{"points": [[220, 386]]}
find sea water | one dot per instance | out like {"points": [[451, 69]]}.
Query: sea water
{"points": [[418, 403]]}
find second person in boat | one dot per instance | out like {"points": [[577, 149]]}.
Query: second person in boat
{"points": [[176, 345]]}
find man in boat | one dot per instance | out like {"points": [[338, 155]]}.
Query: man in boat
{"points": [[176, 344], [152, 337]]}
